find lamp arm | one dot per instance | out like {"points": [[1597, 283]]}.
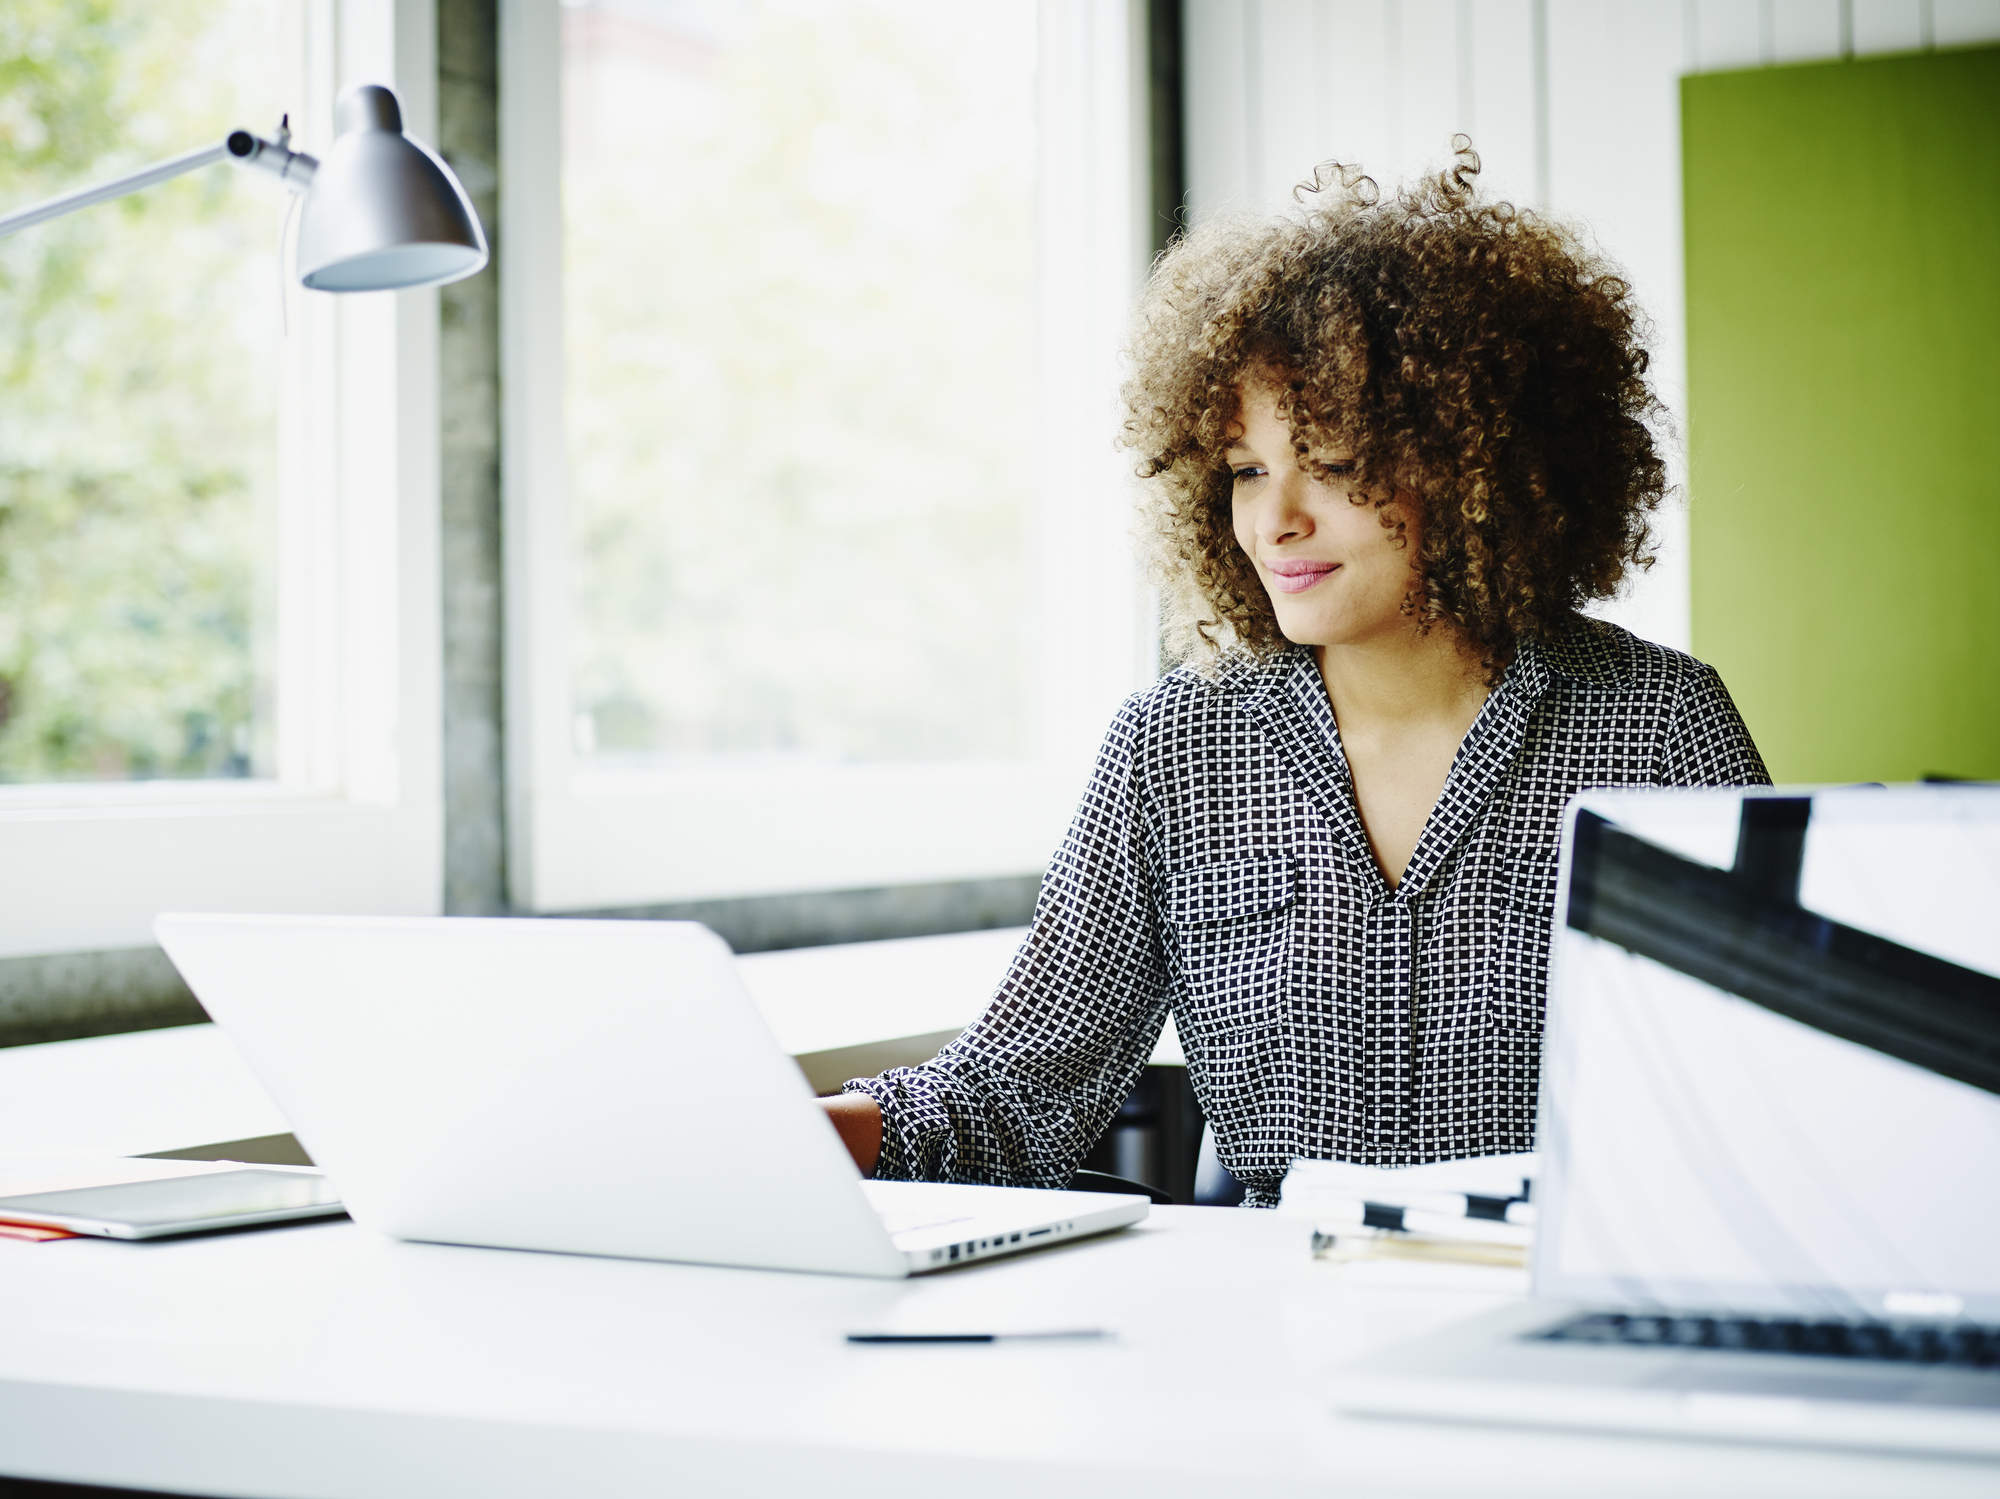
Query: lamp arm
{"points": [[293, 168]]}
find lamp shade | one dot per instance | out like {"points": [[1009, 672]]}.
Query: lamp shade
{"points": [[383, 212]]}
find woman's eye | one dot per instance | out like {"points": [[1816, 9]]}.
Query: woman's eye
{"points": [[1246, 471], [1344, 466]]}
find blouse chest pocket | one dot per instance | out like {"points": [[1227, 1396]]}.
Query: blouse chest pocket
{"points": [[1232, 926], [1215, 894], [1518, 970]]}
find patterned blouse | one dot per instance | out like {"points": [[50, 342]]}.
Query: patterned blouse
{"points": [[1217, 870]]}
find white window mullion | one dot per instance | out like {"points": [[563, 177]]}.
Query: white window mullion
{"points": [[534, 466]]}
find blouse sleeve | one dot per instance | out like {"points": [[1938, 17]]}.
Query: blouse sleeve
{"points": [[1707, 743], [1022, 1095]]}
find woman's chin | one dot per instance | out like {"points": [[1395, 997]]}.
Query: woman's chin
{"points": [[1322, 633], [1314, 628]]}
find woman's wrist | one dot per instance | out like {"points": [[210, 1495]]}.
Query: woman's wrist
{"points": [[857, 1118]]}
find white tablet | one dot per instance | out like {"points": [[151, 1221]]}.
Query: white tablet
{"points": [[179, 1204]]}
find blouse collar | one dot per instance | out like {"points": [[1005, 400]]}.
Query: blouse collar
{"points": [[1291, 705]]}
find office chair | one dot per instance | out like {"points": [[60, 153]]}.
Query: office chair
{"points": [[1214, 1187]]}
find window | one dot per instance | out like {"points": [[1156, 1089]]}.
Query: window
{"points": [[139, 422], [217, 509], [798, 318], [818, 567]]}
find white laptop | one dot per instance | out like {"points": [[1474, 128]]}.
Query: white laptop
{"points": [[590, 1087], [1769, 1206]]}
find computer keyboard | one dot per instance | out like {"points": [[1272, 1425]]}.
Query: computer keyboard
{"points": [[1957, 1345]]}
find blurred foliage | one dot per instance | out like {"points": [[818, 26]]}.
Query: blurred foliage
{"points": [[799, 309], [139, 377]]}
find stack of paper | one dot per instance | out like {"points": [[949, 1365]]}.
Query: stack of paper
{"points": [[33, 1233], [1476, 1209]]}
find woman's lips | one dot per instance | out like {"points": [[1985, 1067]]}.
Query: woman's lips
{"points": [[1298, 576]]}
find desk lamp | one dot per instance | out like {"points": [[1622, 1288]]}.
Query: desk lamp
{"points": [[381, 211]]}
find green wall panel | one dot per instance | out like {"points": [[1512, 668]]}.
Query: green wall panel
{"points": [[1843, 274]]}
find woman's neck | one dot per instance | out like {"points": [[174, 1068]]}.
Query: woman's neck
{"points": [[1403, 703], [1403, 680]]}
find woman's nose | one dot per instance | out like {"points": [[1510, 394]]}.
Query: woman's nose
{"points": [[1285, 516]]}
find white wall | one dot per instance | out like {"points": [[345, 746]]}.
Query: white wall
{"points": [[1573, 105]]}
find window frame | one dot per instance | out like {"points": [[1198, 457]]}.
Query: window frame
{"points": [[353, 821], [595, 838]]}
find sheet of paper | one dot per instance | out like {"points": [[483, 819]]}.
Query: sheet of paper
{"points": [[33, 1233]]}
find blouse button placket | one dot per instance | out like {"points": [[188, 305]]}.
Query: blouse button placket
{"points": [[1391, 1050]]}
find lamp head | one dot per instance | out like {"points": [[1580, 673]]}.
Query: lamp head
{"points": [[382, 212]]}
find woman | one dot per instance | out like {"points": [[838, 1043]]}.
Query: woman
{"points": [[1391, 448]]}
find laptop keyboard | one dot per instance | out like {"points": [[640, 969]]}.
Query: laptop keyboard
{"points": [[1954, 1345]]}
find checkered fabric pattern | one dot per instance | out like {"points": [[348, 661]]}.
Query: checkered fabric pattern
{"points": [[1217, 870]]}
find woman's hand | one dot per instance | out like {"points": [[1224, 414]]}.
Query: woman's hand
{"points": [[858, 1118]]}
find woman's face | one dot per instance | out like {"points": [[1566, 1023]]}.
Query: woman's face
{"points": [[1335, 574]]}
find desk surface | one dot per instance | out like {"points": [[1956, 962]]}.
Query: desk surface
{"points": [[323, 1361], [326, 1362]]}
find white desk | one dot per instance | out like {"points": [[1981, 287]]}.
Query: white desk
{"points": [[324, 1363]]}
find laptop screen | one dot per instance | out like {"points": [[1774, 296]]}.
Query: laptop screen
{"points": [[1771, 1080]]}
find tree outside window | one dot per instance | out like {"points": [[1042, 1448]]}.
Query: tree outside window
{"points": [[140, 349]]}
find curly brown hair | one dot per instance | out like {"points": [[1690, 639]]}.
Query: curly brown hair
{"points": [[1472, 359]]}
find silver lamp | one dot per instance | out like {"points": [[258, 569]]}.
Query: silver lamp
{"points": [[380, 213]]}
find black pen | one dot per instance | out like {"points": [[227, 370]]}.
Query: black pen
{"points": [[973, 1337]]}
